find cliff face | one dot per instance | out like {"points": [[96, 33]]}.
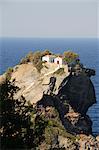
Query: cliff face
{"points": [[79, 91], [31, 83]]}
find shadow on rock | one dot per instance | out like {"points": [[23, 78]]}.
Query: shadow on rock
{"points": [[73, 122]]}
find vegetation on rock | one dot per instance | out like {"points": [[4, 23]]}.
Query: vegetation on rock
{"points": [[8, 73], [70, 56], [46, 52], [36, 58]]}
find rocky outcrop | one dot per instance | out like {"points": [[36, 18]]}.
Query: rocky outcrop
{"points": [[63, 112], [31, 83], [74, 131], [79, 91]]}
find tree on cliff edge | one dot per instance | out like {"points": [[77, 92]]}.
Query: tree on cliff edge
{"points": [[14, 116]]}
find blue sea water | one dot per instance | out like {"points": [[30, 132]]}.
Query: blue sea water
{"points": [[13, 49]]}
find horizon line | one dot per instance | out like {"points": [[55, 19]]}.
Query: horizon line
{"points": [[49, 37]]}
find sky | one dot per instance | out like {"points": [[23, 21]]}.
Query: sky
{"points": [[49, 18]]}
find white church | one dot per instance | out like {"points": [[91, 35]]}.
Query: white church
{"points": [[53, 59]]}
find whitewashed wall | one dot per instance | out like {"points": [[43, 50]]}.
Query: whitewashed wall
{"points": [[58, 59], [45, 58]]}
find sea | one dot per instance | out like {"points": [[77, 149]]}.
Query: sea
{"points": [[12, 50]]}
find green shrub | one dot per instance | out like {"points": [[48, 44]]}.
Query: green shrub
{"points": [[34, 58], [46, 52], [37, 57], [70, 56], [28, 58], [8, 73], [24, 61], [37, 61]]}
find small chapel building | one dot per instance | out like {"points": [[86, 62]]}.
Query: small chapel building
{"points": [[53, 59]]}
